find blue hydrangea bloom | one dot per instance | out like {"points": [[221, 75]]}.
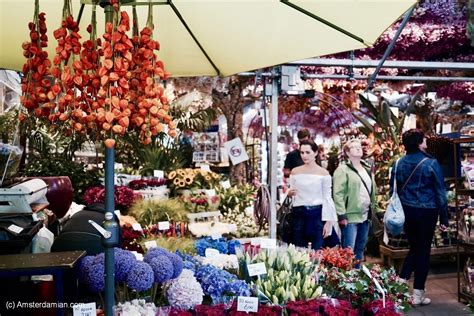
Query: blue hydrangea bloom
{"points": [[238, 288], [232, 245], [124, 261], [141, 277], [100, 258], [162, 268], [214, 281], [189, 262], [95, 277], [177, 263]]}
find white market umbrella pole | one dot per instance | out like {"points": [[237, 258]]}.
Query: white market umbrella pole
{"points": [[273, 153]]}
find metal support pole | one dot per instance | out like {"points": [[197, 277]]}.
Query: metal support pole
{"points": [[273, 152], [389, 48], [108, 224]]}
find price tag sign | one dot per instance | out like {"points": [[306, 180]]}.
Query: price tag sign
{"points": [[268, 243], [225, 184], [255, 241], [257, 269], [164, 225], [206, 168], [210, 253], [158, 174], [151, 244], [137, 227], [247, 304], [86, 309], [15, 229], [117, 213], [210, 193], [138, 256]]}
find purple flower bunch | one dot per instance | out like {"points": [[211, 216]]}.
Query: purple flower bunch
{"points": [[165, 265], [217, 283], [222, 245], [91, 273], [141, 277]]}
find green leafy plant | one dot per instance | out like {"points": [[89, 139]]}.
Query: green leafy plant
{"points": [[149, 212], [172, 244]]}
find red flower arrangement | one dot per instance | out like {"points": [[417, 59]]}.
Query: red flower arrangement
{"points": [[123, 196], [376, 308], [143, 183], [327, 307], [220, 309], [342, 258]]}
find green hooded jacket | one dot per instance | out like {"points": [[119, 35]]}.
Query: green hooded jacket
{"points": [[346, 194]]}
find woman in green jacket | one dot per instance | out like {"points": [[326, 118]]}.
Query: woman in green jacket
{"points": [[354, 197]]}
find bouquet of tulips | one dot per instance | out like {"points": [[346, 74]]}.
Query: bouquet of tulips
{"points": [[291, 274]]}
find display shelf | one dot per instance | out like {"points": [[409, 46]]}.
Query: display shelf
{"points": [[462, 247], [465, 192]]}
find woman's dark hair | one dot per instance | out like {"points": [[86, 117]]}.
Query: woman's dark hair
{"points": [[311, 144], [412, 139]]}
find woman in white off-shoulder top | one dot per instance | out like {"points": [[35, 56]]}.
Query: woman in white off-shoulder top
{"points": [[314, 213]]}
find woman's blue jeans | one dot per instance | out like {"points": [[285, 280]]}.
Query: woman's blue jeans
{"points": [[355, 235], [308, 227]]}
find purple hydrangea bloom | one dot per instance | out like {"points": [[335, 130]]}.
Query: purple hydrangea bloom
{"points": [[124, 261], [153, 252], [95, 277], [177, 263], [162, 268], [141, 277], [84, 265], [100, 258]]}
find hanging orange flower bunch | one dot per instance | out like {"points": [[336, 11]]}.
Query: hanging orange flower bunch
{"points": [[108, 86]]}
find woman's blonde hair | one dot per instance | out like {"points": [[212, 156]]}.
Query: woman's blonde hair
{"points": [[346, 148]]}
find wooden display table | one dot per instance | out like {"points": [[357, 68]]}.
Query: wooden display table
{"points": [[27, 264], [394, 257]]}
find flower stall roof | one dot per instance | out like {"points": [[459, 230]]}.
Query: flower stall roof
{"points": [[224, 37]]}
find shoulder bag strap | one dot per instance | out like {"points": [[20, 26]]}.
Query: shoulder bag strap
{"points": [[363, 182], [413, 172]]}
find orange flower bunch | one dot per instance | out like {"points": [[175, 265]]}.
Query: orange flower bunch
{"points": [[108, 86]]}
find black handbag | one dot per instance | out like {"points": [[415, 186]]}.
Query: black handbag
{"points": [[284, 218]]}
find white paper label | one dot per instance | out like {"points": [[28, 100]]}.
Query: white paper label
{"points": [[216, 236], [117, 213], [158, 174], [151, 244], [247, 304], [86, 309], [164, 225], [225, 184], [236, 151], [255, 241], [138, 255], [210, 253], [257, 269], [137, 226], [206, 168], [14, 228], [268, 243], [210, 193]]}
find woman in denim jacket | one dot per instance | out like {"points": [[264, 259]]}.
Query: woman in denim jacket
{"points": [[423, 196], [354, 197]]}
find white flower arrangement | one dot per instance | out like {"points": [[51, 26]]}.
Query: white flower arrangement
{"points": [[135, 308], [185, 291], [221, 261]]}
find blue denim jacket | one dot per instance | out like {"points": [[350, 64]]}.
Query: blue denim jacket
{"points": [[426, 187]]}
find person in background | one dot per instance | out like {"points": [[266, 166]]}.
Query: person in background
{"points": [[314, 214], [354, 197], [420, 186], [293, 159]]}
